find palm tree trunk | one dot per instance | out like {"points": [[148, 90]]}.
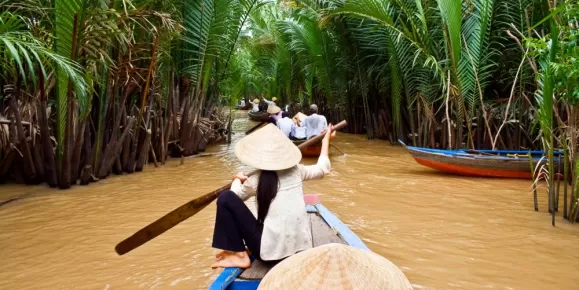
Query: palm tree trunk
{"points": [[65, 173], [78, 150], [116, 147], [29, 169], [49, 162], [87, 169]]}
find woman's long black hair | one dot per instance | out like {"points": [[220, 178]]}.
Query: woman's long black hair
{"points": [[266, 191]]}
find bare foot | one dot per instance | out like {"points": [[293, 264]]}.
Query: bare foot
{"points": [[222, 254], [235, 260]]}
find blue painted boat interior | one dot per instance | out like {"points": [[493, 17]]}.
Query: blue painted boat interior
{"points": [[227, 279]]}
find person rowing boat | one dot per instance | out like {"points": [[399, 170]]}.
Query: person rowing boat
{"points": [[274, 114], [281, 227]]}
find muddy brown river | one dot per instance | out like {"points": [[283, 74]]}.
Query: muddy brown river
{"points": [[444, 232]]}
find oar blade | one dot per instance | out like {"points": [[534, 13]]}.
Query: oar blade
{"points": [[167, 222]]}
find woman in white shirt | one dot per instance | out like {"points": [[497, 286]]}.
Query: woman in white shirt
{"points": [[269, 103], [255, 105], [281, 227]]}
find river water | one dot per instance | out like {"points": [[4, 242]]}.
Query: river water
{"points": [[444, 232]]}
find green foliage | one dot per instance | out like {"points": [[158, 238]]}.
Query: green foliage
{"points": [[24, 52], [328, 48]]}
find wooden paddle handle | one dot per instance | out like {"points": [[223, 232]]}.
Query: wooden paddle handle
{"points": [[254, 128], [187, 210], [318, 138], [168, 221]]}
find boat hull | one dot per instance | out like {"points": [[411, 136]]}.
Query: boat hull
{"points": [[501, 165], [310, 151], [258, 116], [232, 278]]}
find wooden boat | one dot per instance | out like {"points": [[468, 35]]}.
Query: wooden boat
{"points": [[258, 116], [310, 151], [483, 163], [326, 228]]}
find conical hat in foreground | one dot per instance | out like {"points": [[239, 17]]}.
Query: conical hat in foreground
{"points": [[268, 149], [335, 267]]}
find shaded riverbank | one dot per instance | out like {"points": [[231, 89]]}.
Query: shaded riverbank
{"points": [[445, 232]]}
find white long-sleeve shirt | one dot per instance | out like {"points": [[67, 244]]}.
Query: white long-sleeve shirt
{"points": [[285, 125], [269, 103], [286, 229], [255, 107], [298, 132], [314, 124]]}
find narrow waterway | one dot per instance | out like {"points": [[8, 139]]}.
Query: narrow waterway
{"points": [[444, 232]]}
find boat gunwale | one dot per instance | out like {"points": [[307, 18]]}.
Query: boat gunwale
{"points": [[229, 276], [500, 153], [462, 154]]}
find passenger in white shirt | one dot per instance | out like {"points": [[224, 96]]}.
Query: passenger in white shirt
{"points": [[255, 105], [270, 103], [315, 123], [299, 119], [285, 124], [274, 114], [298, 132]]}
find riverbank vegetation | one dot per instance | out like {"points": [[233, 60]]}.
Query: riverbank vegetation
{"points": [[91, 87], [442, 74]]}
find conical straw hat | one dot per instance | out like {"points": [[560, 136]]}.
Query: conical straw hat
{"points": [[268, 149], [273, 110], [335, 267], [299, 117], [255, 101], [274, 99]]}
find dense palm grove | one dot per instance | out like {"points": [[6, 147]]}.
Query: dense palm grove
{"points": [[92, 87], [444, 74]]}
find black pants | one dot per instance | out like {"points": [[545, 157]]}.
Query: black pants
{"points": [[235, 224]]}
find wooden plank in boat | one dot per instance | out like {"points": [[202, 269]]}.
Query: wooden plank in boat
{"points": [[321, 234], [257, 270], [346, 233]]}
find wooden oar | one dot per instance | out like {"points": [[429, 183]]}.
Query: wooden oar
{"points": [[187, 210], [254, 128], [337, 149]]}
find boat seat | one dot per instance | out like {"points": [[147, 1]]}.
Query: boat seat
{"points": [[321, 234]]}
